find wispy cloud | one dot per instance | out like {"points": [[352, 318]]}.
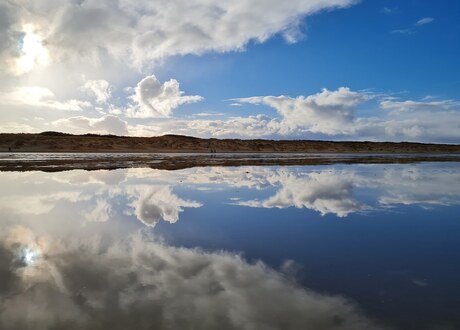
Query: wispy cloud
{"points": [[414, 28], [424, 21], [387, 10], [403, 31]]}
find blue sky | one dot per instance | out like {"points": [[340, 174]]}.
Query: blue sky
{"points": [[319, 69], [354, 47]]}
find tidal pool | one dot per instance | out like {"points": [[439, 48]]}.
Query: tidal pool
{"points": [[257, 247]]}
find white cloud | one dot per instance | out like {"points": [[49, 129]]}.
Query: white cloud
{"points": [[14, 127], [394, 104], [35, 96], [386, 10], [403, 31], [424, 21], [413, 30], [53, 44], [208, 114], [104, 125], [414, 125], [141, 31], [153, 99], [327, 112], [98, 88], [252, 126], [334, 113]]}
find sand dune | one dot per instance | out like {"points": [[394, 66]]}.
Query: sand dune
{"points": [[60, 142]]}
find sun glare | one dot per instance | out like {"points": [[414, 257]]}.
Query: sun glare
{"points": [[29, 256], [33, 52]]}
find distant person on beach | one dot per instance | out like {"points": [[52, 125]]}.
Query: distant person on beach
{"points": [[9, 148]]}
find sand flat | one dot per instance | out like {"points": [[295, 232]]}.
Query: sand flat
{"points": [[171, 161]]}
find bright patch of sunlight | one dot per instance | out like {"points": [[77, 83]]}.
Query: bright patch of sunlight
{"points": [[33, 52], [29, 256]]}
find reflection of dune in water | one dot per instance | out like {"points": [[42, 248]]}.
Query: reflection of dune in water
{"points": [[139, 283]]}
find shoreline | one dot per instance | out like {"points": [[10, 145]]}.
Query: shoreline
{"points": [[164, 161]]}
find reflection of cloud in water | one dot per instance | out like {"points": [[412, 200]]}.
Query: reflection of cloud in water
{"points": [[100, 212], [244, 176], [140, 284], [39, 204], [148, 194], [154, 203], [333, 191], [325, 192], [93, 196], [105, 177], [415, 185]]}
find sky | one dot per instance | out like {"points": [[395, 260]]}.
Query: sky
{"points": [[381, 70]]}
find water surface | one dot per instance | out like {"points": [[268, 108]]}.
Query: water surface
{"points": [[266, 247]]}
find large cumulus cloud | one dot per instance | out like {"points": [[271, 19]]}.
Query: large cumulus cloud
{"points": [[336, 113], [142, 31], [327, 112]]}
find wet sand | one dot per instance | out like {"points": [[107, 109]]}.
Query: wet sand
{"points": [[61, 162]]}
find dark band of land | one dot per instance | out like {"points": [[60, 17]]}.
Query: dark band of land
{"points": [[61, 142], [47, 152], [90, 162]]}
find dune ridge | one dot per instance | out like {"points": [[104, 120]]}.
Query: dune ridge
{"points": [[62, 142]]}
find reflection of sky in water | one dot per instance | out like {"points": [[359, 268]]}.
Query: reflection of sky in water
{"points": [[77, 246]]}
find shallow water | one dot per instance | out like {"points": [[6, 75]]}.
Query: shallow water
{"points": [[52, 162], [307, 247], [45, 156]]}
